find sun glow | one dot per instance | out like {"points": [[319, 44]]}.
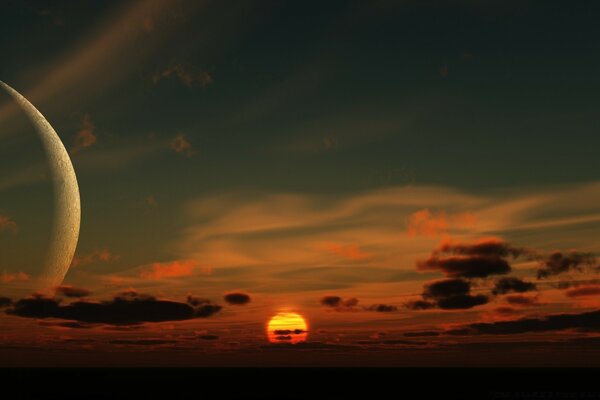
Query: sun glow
{"points": [[287, 327]]}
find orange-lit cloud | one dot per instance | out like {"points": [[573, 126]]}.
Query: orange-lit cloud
{"points": [[351, 252], [174, 269], [274, 234], [584, 291], [7, 224], [8, 277], [182, 145], [424, 222], [85, 137], [97, 256]]}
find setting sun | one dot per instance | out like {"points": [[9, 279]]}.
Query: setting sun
{"points": [[287, 327]]}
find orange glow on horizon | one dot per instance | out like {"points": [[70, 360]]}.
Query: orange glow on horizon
{"points": [[287, 327]]}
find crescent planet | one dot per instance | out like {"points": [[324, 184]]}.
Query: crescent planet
{"points": [[67, 205]]}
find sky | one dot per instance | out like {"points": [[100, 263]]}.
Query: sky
{"points": [[417, 180]]}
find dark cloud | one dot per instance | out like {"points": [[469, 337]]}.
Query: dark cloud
{"points": [[5, 301], [340, 304], [478, 259], [283, 337], [124, 309], [466, 266], [448, 294], [446, 288], [588, 321], [488, 247], [584, 291], [462, 302], [419, 305], [70, 291], [520, 300], [382, 308], [288, 331], [331, 301], [237, 298], [197, 301], [208, 337], [558, 262], [511, 284]]}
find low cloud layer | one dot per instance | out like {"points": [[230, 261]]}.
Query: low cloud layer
{"points": [[70, 291], [588, 321], [125, 308]]}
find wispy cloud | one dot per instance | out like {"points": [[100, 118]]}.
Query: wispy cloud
{"points": [[85, 137], [97, 256], [8, 277], [7, 224], [425, 222], [187, 75], [180, 144], [173, 269]]}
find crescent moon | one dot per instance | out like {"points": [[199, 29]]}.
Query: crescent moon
{"points": [[67, 207]]}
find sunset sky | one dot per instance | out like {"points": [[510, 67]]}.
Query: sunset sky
{"points": [[418, 181]]}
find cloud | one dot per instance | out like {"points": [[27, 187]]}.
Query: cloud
{"points": [[339, 304], [331, 301], [583, 291], [382, 308], [351, 252], [558, 262], [461, 302], [520, 300], [511, 284], [126, 308], [96, 256], [289, 331], [7, 224], [70, 291], [8, 277], [182, 145], [173, 269], [237, 298], [85, 137], [275, 234], [554, 322], [446, 288], [187, 75], [5, 301], [448, 294], [419, 305], [426, 223], [478, 259]]}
